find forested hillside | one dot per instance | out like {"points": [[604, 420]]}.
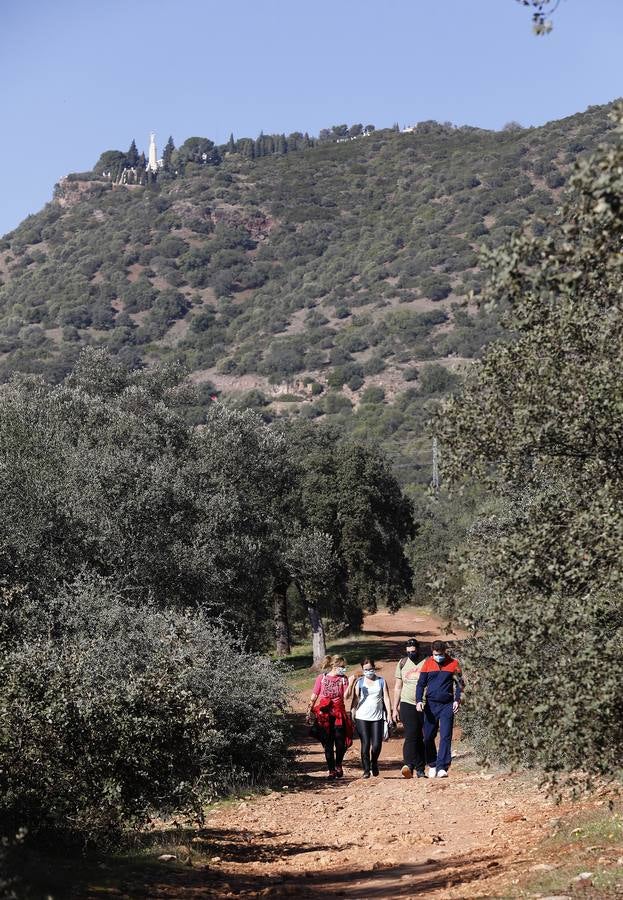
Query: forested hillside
{"points": [[337, 280]]}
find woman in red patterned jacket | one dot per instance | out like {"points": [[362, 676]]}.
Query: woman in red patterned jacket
{"points": [[327, 713]]}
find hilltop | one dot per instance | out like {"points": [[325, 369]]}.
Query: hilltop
{"points": [[326, 281]]}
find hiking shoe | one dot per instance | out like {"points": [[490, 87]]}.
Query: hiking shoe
{"points": [[331, 776], [421, 773], [442, 773], [432, 772], [366, 775], [339, 772], [406, 772], [375, 770]]}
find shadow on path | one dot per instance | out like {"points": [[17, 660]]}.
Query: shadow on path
{"points": [[389, 882]]}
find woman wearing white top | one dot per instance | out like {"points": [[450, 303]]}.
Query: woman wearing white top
{"points": [[371, 697]]}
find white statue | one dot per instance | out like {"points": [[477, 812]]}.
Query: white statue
{"points": [[152, 163]]}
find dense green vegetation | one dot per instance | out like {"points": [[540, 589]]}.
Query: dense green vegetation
{"points": [[144, 565], [138, 552], [541, 420], [341, 271]]}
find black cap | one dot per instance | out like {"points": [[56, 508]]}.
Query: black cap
{"points": [[412, 642]]}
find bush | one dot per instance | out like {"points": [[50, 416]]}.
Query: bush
{"points": [[373, 394], [435, 287], [355, 382], [436, 379], [112, 712]]}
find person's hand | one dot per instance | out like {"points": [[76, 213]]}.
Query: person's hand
{"points": [[397, 716], [455, 705], [309, 718], [419, 706]]}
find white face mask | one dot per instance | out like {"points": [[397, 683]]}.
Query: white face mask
{"points": [[369, 673], [439, 657], [340, 671]]}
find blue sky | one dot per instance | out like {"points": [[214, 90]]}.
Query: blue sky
{"points": [[79, 76]]}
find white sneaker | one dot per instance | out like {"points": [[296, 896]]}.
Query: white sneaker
{"points": [[432, 772], [442, 773]]}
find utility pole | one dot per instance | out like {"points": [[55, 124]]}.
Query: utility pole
{"points": [[435, 478]]}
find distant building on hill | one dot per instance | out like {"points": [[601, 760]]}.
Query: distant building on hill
{"points": [[153, 163]]}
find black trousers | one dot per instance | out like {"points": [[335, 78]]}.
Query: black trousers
{"points": [[334, 744], [413, 747], [371, 736]]}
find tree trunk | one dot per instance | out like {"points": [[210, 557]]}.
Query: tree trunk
{"points": [[319, 646], [282, 625]]}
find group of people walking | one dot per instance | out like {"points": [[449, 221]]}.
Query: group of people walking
{"points": [[427, 694]]}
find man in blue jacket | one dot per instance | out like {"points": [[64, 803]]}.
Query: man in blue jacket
{"points": [[440, 685]]}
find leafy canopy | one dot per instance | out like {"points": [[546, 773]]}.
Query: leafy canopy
{"points": [[543, 419]]}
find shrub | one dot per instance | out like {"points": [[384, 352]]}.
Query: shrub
{"points": [[435, 287], [373, 394], [355, 382], [374, 366], [436, 379], [112, 712], [336, 403]]}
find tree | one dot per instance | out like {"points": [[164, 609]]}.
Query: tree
{"points": [[231, 144], [339, 131], [197, 150], [349, 493], [128, 490], [541, 10], [113, 161], [132, 156], [167, 155], [541, 419]]}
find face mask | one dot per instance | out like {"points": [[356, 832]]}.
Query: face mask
{"points": [[340, 671], [412, 654], [439, 657], [369, 673]]}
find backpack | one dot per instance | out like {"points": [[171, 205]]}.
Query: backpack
{"points": [[360, 684]]}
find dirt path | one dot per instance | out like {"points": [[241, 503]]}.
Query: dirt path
{"points": [[388, 837]]}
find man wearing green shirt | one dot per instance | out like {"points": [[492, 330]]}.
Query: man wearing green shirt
{"points": [[407, 675]]}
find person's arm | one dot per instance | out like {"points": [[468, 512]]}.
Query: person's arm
{"points": [[314, 696], [388, 704], [397, 692], [352, 681], [355, 695], [419, 690], [459, 684]]}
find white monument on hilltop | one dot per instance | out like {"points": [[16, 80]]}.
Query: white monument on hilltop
{"points": [[153, 163]]}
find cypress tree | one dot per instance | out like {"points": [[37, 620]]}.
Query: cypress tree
{"points": [[132, 155], [167, 153]]}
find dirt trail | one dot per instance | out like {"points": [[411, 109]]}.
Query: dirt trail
{"points": [[467, 836]]}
